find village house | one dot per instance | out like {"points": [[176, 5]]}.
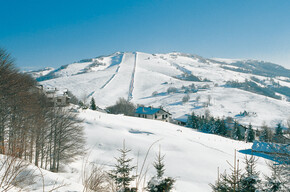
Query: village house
{"points": [[55, 97], [153, 113], [182, 120]]}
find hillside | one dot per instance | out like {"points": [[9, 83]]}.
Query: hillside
{"points": [[232, 86], [191, 157]]}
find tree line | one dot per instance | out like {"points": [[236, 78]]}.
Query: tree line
{"points": [[228, 127], [30, 128]]}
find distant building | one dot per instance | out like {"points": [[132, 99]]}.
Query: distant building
{"points": [[182, 120], [54, 96], [57, 97], [153, 113]]}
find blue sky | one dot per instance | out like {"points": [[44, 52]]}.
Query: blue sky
{"points": [[54, 33]]}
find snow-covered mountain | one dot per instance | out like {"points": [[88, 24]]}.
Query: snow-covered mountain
{"points": [[229, 86]]}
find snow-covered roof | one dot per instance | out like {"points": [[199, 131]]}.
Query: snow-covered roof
{"points": [[182, 118], [271, 147], [147, 110]]}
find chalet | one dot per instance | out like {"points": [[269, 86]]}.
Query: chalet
{"points": [[57, 97], [153, 113], [182, 120]]}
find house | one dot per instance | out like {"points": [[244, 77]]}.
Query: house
{"points": [[57, 97], [182, 120], [153, 113]]}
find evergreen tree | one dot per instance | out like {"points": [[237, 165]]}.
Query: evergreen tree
{"points": [[217, 129], [223, 128], [159, 165], [278, 130], [278, 136], [250, 134], [93, 104], [159, 183], [275, 183], [265, 134], [194, 121], [229, 182], [250, 179], [121, 174], [237, 132], [222, 184]]}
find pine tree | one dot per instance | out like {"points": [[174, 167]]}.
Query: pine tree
{"points": [[229, 182], [93, 104], [278, 130], [237, 132], [278, 133], [159, 183], [265, 134], [250, 179], [217, 127], [274, 183], [121, 174], [159, 165], [223, 128], [250, 134]]}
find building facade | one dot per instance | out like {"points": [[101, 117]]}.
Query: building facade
{"points": [[153, 113]]}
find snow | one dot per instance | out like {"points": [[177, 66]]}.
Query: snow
{"points": [[191, 157], [137, 75]]}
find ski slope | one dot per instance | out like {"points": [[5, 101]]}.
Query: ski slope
{"points": [[135, 76]]}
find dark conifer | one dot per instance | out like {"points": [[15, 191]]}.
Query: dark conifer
{"points": [[93, 104], [159, 183], [122, 172], [250, 134]]}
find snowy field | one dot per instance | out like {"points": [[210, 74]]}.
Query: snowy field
{"points": [[190, 156]]}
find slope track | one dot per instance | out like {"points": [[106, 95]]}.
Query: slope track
{"points": [[131, 87]]}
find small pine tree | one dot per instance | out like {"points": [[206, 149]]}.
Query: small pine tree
{"points": [[274, 183], [121, 174], [159, 165], [229, 182], [250, 134], [93, 104], [250, 179], [159, 183], [278, 130], [222, 184]]}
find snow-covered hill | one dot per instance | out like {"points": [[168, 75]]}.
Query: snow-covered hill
{"points": [[264, 88], [191, 157]]}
